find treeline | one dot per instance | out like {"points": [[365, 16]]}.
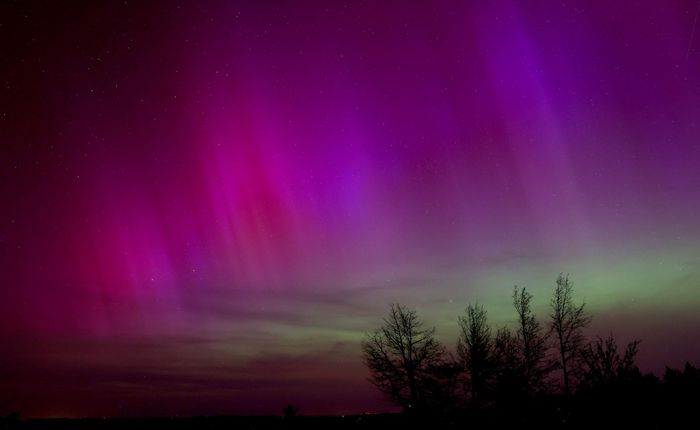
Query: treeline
{"points": [[537, 372]]}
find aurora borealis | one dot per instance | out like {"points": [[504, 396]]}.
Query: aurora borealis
{"points": [[206, 204]]}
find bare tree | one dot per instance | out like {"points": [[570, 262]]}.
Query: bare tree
{"points": [[604, 364], [474, 349], [401, 356], [532, 343], [505, 349], [509, 385], [441, 387], [567, 322]]}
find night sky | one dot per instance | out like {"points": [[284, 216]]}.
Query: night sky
{"points": [[204, 205]]}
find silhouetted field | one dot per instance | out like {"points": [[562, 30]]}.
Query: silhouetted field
{"points": [[380, 421], [623, 409]]}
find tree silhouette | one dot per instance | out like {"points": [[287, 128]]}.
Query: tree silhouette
{"points": [[441, 387], [532, 343], [505, 349], [290, 411], [474, 349], [401, 357], [603, 363], [509, 381], [686, 380], [567, 322], [505, 373], [682, 393]]}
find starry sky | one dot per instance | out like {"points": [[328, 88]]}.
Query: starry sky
{"points": [[204, 205]]}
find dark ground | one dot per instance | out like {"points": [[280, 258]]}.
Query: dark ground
{"points": [[382, 421], [552, 420]]}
